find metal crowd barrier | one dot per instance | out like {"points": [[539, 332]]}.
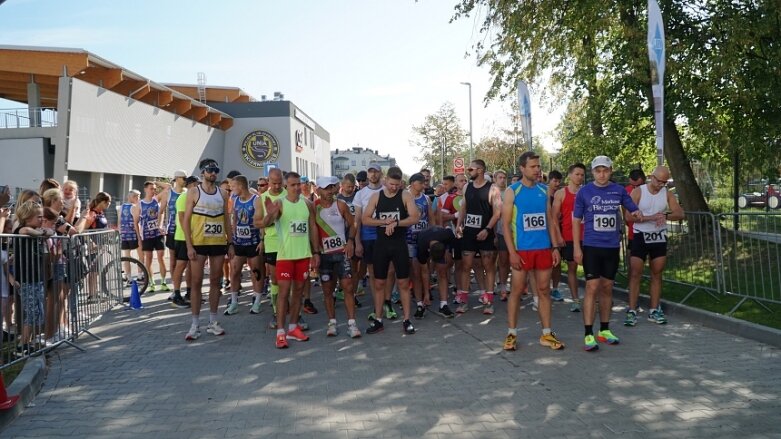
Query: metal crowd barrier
{"points": [[751, 256], [54, 289], [730, 254]]}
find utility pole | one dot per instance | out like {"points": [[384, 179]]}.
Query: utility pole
{"points": [[471, 141]]}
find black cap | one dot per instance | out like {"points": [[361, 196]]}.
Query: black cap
{"points": [[417, 177], [361, 176], [232, 174], [191, 179]]}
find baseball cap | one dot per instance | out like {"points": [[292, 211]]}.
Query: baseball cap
{"points": [[304, 179], [601, 160], [180, 173], [375, 167], [324, 182], [360, 176], [191, 179], [417, 177]]}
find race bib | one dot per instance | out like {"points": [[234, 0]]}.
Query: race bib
{"points": [[395, 215], [243, 231], [333, 243], [533, 222], [474, 221], [213, 230], [420, 225], [352, 209], [151, 224], [655, 237], [604, 222], [299, 228]]}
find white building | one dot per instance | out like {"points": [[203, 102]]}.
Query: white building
{"points": [[84, 118], [353, 160]]}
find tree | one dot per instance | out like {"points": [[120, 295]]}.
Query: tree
{"points": [[723, 89], [440, 139]]}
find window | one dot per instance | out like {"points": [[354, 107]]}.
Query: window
{"points": [[353, 162], [363, 162]]}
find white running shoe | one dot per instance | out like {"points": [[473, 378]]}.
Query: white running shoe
{"points": [[215, 328], [193, 334], [331, 331]]}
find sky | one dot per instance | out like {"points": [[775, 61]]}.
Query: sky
{"points": [[367, 71]]}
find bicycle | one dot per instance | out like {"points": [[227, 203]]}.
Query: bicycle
{"points": [[142, 276]]}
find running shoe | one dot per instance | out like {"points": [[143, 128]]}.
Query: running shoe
{"points": [[551, 341], [371, 317], [556, 296], [309, 307], [255, 309], [179, 302], [331, 331], [360, 290], [215, 328], [303, 324], [395, 296], [590, 344], [607, 336], [164, 287], [150, 288], [375, 327], [510, 342], [657, 316], [297, 334], [419, 312], [488, 309], [631, 318], [281, 341], [339, 294], [353, 331], [390, 313], [575, 307], [486, 298], [187, 296], [503, 296], [358, 304], [193, 333], [273, 323], [408, 328], [445, 311], [462, 308], [535, 305], [232, 309], [170, 296]]}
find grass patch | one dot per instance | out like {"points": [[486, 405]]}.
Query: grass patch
{"points": [[10, 372]]}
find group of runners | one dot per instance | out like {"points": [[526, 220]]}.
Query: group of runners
{"points": [[290, 232]]}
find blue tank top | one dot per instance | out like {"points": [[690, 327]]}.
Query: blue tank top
{"points": [[412, 232], [246, 233], [172, 197], [150, 217], [530, 220], [127, 230]]}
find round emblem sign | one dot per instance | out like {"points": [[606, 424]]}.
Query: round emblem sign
{"points": [[259, 147]]}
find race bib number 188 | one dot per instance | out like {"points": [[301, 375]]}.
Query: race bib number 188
{"points": [[604, 223], [332, 243]]}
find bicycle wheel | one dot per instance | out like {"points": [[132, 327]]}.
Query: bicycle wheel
{"points": [[137, 271]]}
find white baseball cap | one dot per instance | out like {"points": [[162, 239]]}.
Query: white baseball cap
{"points": [[601, 160], [324, 182], [180, 173]]}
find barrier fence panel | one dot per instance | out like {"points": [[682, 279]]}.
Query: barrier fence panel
{"points": [[693, 255], [53, 289], [751, 255]]}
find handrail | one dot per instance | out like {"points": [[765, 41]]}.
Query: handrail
{"points": [[28, 117]]}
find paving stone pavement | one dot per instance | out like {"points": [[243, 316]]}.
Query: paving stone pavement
{"points": [[450, 380]]}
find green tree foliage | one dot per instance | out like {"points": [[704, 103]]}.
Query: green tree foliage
{"points": [[723, 78], [440, 137]]}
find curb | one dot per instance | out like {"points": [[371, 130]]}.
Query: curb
{"points": [[730, 325], [27, 385]]}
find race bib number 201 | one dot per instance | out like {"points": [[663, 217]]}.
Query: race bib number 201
{"points": [[655, 237], [605, 223], [475, 221], [212, 230]]}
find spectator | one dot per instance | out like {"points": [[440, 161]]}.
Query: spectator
{"points": [[28, 269], [47, 184], [95, 213], [71, 202], [5, 276]]}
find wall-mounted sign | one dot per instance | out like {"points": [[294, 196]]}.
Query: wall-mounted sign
{"points": [[299, 140], [259, 147]]}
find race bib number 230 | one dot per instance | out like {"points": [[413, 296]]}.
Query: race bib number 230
{"points": [[213, 230]]}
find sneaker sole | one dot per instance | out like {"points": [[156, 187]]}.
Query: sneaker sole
{"points": [[591, 349], [215, 333], [444, 316], [604, 340], [375, 332], [297, 339], [188, 338], [552, 345], [285, 346], [252, 311]]}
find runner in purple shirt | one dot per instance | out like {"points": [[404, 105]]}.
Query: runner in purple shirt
{"points": [[598, 206]]}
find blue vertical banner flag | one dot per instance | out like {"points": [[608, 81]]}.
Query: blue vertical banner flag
{"points": [[525, 110], [656, 55]]}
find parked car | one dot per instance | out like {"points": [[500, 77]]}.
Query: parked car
{"points": [[769, 196]]}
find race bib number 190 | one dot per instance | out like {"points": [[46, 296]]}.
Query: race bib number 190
{"points": [[604, 223], [298, 228], [533, 222], [475, 221]]}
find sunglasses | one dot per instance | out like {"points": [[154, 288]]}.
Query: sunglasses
{"points": [[658, 180], [212, 169], [263, 185]]}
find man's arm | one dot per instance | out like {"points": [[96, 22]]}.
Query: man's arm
{"points": [[413, 213], [227, 217], [344, 209], [676, 211], [192, 199], [495, 198], [461, 211], [314, 240], [367, 216], [163, 200], [507, 219], [555, 216], [273, 212], [135, 212]]}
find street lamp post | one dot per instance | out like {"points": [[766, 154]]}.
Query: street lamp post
{"points": [[471, 142]]}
